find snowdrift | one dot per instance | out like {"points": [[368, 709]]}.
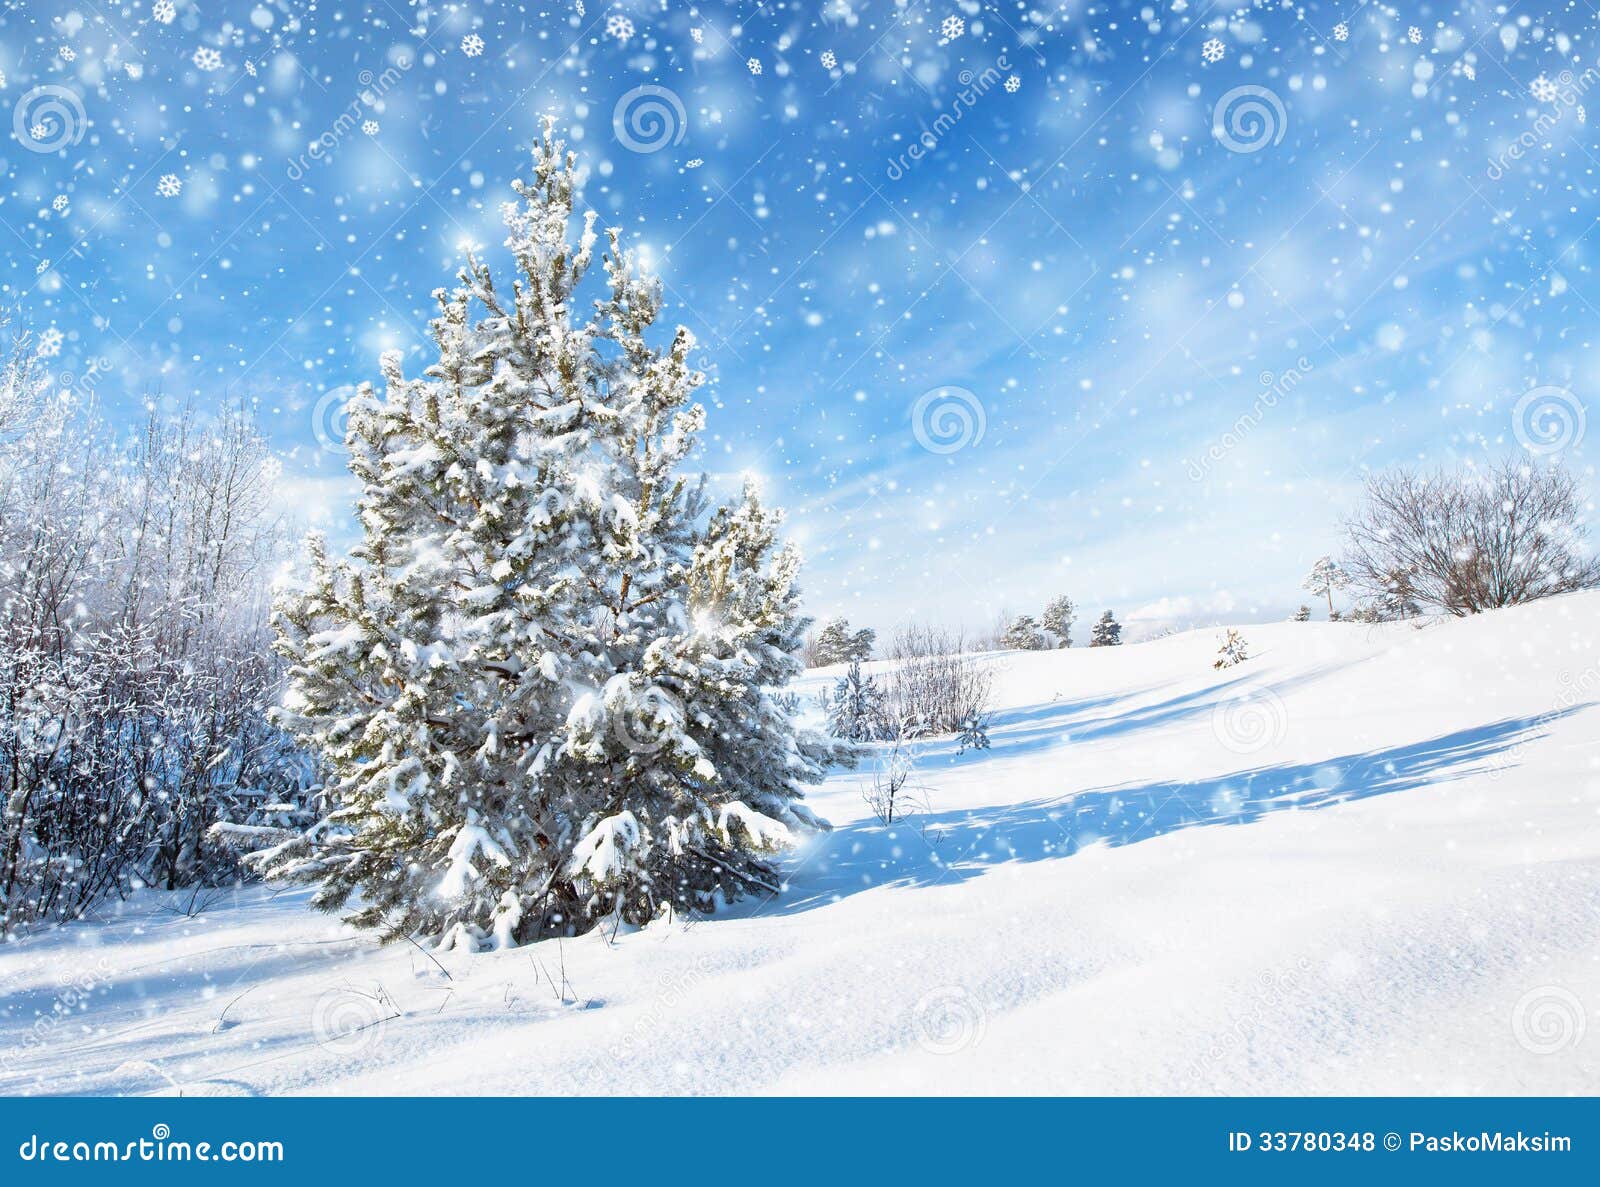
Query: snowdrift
{"points": [[1365, 861]]}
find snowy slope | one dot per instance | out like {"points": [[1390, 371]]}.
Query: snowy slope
{"points": [[1366, 861]]}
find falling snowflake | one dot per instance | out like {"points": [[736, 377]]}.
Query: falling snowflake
{"points": [[619, 26], [755, 65], [370, 127], [164, 11], [206, 58], [1542, 89], [694, 164], [952, 27], [828, 60], [1013, 85], [59, 202], [2, 78], [1414, 35], [169, 186], [698, 34], [39, 131], [578, 8], [68, 53], [250, 69], [133, 70], [1470, 70], [472, 45], [1213, 50], [41, 268], [1341, 31], [1583, 116], [50, 343]]}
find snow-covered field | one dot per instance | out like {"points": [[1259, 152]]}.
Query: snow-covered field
{"points": [[1366, 861]]}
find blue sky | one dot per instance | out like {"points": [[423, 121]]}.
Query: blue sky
{"points": [[1183, 336]]}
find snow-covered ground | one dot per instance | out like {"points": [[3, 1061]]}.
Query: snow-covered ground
{"points": [[1366, 861]]}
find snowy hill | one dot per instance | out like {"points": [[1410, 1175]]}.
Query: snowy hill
{"points": [[1365, 861]]}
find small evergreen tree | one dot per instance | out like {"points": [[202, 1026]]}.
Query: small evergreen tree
{"points": [[1303, 614], [1107, 632], [1325, 577], [857, 712], [836, 643], [1058, 618], [1232, 651], [1024, 634], [545, 685]]}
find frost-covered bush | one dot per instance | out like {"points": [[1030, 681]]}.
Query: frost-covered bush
{"points": [[934, 685], [548, 682], [135, 669]]}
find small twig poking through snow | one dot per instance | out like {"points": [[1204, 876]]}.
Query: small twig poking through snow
{"points": [[222, 1018], [431, 957]]}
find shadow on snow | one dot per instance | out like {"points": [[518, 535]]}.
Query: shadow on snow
{"points": [[945, 847]]}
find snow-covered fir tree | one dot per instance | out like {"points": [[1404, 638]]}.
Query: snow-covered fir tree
{"points": [[1232, 651], [1024, 634], [857, 711], [1303, 614], [1107, 631], [1325, 577], [546, 683], [836, 643], [1058, 618]]}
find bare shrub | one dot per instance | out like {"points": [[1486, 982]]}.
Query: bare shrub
{"points": [[935, 686], [893, 793], [134, 660], [1469, 541]]}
